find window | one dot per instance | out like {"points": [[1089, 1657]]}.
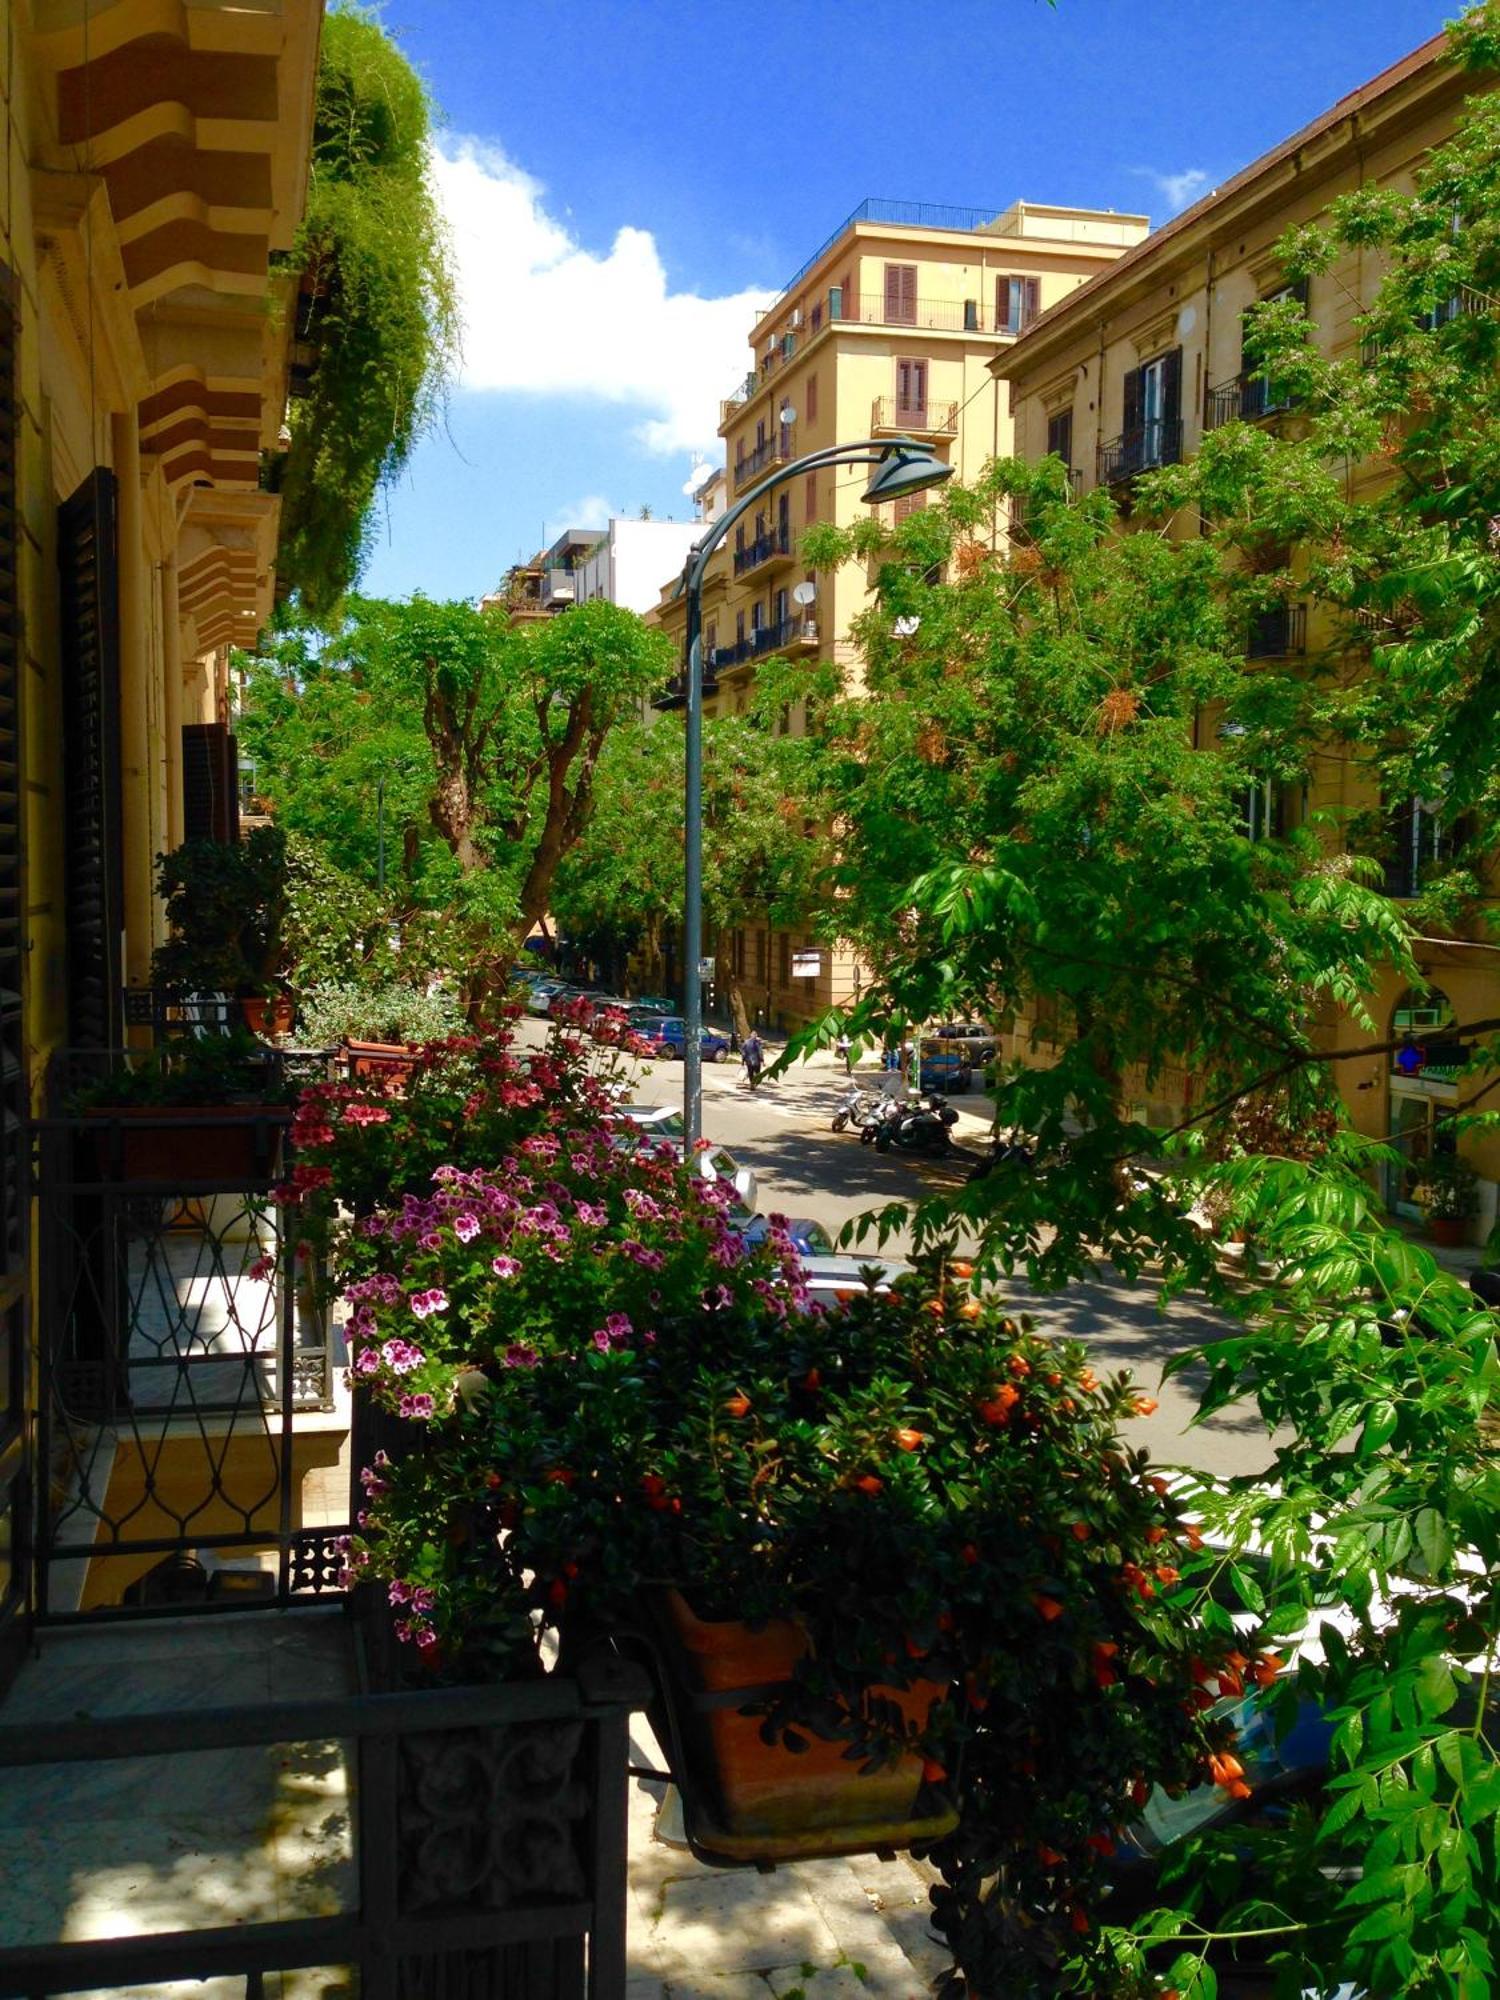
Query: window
{"points": [[1060, 437], [900, 294], [911, 392], [1416, 839], [815, 317], [1259, 396], [739, 628], [1262, 812], [1017, 300], [907, 505], [780, 609], [784, 523], [1153, 411], [711, 639], [757, 615], [812, 399]]}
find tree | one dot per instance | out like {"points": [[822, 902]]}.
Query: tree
{"points": [[619, 889], [487, 739], [1027, 822], [377, 304]]}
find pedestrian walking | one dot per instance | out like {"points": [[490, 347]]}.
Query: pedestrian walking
{"points": [[753, 1057], [844, 1049]]}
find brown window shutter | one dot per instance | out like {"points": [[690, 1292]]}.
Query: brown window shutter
{"points": [[1032, 301], [812, 399], [901, 294], [810, 498], [1002, 305], [210, 783], [89, 605]]}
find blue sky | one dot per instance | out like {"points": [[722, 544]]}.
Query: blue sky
{"points": [[626, 178]]}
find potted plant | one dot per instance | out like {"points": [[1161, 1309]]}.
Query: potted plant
{"points": [[1448, 1196], [208, 1107], [378, 1026], [227, 904], [902, 1534]]}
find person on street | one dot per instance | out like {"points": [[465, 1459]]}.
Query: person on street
{"points": [[843, 1048], [753, 1057]]}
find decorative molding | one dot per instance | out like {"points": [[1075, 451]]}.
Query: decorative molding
{"points": [[1157, 337]]}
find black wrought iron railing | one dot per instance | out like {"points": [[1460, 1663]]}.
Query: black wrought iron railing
{"points": [[1141, 450], [775, 542], [188, 1369], [770, 452], [479, 1844], [1249, 395], [1278, 634]]}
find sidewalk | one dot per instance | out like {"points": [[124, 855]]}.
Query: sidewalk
{"points": [[852, 1929]]}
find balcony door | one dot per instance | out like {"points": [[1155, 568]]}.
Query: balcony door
{"points": [[911, 393], [1153, 400]]}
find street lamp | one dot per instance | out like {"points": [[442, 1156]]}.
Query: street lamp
{"points": [[902, 467]]}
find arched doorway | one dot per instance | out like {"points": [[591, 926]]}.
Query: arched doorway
{"points": [[1422, 1093]]}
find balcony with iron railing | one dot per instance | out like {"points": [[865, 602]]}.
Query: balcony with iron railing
{"points": [[778, 449], [1249, 395], [1279, 633], [934, 418], [1142, 449], [772, 547]]}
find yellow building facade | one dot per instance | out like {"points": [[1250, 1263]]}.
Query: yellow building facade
{"points": [[157, 155], [1131, 371], [887, 331]]}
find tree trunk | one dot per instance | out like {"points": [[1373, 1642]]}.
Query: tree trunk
{"points": [[735, 993]]}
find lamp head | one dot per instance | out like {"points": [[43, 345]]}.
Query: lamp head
{"points": [[905, 468]]}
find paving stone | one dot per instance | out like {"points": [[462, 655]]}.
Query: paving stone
{"points": [[720, 1986], [645, 1989], [740, 1922], [836, 1982]]}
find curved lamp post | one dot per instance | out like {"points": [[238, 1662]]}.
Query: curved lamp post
{"points": [[902, 467]]}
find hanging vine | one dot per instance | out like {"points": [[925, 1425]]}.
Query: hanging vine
{"points": [[377, 304]]}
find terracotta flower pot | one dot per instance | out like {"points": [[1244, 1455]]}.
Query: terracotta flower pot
{"points": [[271, 1014], [185, 1145], [389, 1063], [1448, 1230], [745, 1800]]}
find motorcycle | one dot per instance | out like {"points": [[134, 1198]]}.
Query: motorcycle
{"points": [[856, 1107], [923, 1127], [885, 1112]]}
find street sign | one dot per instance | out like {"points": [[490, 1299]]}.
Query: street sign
{"points": [[806, 964], [705, 968]]}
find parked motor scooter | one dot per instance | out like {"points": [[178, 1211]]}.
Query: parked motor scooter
{"points": [[923, 1127], [884, 1112], [855, 1108]]}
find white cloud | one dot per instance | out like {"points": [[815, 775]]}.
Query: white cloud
{"points": [[592, 511], [544, 316], [1178, 189]]}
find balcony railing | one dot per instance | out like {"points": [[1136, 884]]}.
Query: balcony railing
{"points": [[935, 419], [1140, 450], [775, 450], [1249, 395], [764, 549], [1278, 634], [738, 397], [930, 315]]}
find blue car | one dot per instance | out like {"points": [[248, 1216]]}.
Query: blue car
{"points": [[666, 1039]]}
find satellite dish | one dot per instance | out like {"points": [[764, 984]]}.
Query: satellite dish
{"points": [[787, 414], [906, 628], [804, 593]]}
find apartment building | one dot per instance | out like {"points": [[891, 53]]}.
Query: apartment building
{"points": [[886, 331], [1131, 370]]}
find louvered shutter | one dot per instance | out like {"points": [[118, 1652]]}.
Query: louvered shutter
{"points": [[810, 498], [901, 294], [1171, 408], [210, 783], [15, 1233], [1132, 401], [812, 399], [1031, 300], [94, 896]]}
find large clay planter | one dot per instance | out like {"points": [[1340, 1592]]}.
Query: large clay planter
{"points": [[387, 1063], [1448, 1230], [185, 1145], [747, 1801], [268, 1015]]}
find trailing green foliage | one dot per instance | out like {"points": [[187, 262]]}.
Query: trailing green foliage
{"points": [[377, 304]]}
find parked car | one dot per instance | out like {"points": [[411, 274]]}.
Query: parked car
{"points": [[653, 1004], [809, 1237], [949, 1070], [833, 1276], [667, 1037], [541, 996], [661, 1122], [970, 1038]]}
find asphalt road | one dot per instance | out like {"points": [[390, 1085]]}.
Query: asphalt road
{"points": [[803, 1167]]}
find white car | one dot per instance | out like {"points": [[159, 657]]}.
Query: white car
{"points": [[845, 1274], [663, 1123]]}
